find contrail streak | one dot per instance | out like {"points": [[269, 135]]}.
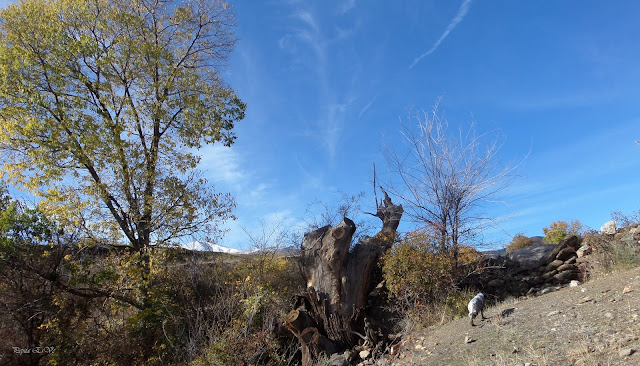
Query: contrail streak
{"points": [[464, 8]]}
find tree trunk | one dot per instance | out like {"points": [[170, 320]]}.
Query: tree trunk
{"points": [[332, 314]]}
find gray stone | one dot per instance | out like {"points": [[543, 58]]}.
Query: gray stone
{"points": [[570, 240], [545, 290], [567, 267], [627, 352], [532, 256], [566, 276], [583, 250], [566, 253], [609, 227], [364, 354], [338, 360], [548, 275], [553, 265]]}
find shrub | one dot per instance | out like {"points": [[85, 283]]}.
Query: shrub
{"points": [[423, 280], [625, 220], [199, 308], [611, 253], [519, 241], [554, 233], [415, 270]]}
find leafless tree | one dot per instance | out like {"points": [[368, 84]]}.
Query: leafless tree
{"points": [[446, 180]]}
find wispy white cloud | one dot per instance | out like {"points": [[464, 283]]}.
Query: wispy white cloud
{"points": [[462, 12], [307, 32], [365, 108], [308, 41], [222, 164], [346, 5], [331, 133]]}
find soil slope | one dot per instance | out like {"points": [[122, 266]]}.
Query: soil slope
{"points": [[595, 323]]}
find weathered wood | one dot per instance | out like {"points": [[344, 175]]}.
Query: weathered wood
{"points": [[390, 215], [298, 320], [331, 315]]}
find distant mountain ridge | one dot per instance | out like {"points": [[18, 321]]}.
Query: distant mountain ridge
{"points": [[217, 248]]}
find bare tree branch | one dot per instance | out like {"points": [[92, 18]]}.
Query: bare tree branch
{"points": [[446, 181]]}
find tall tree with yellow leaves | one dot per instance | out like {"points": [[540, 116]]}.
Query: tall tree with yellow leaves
{"points": [[104, 105]]}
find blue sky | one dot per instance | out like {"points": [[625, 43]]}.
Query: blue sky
{"points": [[328, 84]]}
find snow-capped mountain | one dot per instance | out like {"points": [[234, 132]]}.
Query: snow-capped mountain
{"points": [[212, 247]]}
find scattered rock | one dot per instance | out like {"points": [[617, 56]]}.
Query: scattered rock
{"points": [[585, 299], [583, 250], [609, 227], [507, 312], [468, 339], [545, 290], [364, 354], [574, 283], [627, 290], [627, 352], [555, 312], [338, 360], [395, 349]]}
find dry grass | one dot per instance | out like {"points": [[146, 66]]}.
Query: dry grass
{"points": [[559, 328]]}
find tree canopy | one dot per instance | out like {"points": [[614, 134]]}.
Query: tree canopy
{"points": [[103, 106]]}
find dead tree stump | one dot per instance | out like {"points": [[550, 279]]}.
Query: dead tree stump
{"points": [[332, 315]]}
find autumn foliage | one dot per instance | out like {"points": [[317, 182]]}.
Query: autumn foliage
{"points": [[419, 275]]}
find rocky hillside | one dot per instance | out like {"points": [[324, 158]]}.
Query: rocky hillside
{"points": [[595, 323]]}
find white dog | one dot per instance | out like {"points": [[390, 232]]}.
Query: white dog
{"points": [[476, 305]]}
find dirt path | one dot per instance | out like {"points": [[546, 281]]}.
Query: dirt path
{"points": [[592, 324]]}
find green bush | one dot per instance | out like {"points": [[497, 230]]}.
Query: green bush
{"points": [[519, 241], [554, 233], [422, 279]]}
